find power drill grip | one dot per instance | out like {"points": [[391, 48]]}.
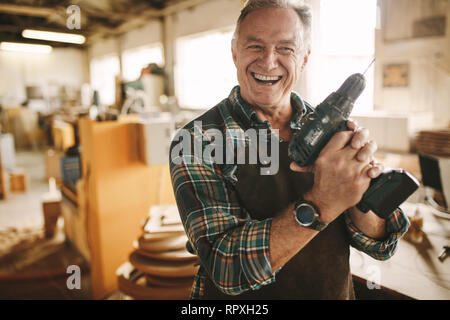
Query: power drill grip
{"points": [[387, 191]]}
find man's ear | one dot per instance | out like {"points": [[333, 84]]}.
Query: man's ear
{"points": [[306, 59], [233, 50]]}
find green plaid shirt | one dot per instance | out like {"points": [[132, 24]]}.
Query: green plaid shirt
{"points": [[233, 248]]}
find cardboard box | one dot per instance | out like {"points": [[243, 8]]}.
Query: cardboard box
{"points": [[63, 135], [17, 181]]}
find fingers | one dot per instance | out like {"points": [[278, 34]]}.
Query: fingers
{"points": [[366, 153], [375, 170], [338, 141], [352, 124], [297, 168], [360, 138]]}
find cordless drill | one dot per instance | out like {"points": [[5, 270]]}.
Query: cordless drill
{"points": [[387, 191]]}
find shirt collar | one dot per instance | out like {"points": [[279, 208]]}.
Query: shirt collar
{"points": [[249, 117]]}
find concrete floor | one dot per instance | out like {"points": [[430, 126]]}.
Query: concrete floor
{"points": [[24, 209], [45, 261]]}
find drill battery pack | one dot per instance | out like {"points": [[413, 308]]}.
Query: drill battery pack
{"points": [[387, 192]]}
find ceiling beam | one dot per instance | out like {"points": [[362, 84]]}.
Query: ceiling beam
{"points": [[27, 10], [144, 17], [180, 6]]}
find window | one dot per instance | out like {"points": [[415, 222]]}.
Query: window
{"points": [[103, 72], [346, 45], [133, 60], [204, 71]]}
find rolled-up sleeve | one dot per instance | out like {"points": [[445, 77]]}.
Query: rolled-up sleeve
{"points": [[396, 226], [233, 248]]}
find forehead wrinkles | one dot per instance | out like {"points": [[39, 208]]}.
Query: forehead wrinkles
{"points": [[273, 28]]}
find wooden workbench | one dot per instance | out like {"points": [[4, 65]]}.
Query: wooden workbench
{"points": [[415, 270]]}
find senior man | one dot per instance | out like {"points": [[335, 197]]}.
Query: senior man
{"points": [[243, 224]]}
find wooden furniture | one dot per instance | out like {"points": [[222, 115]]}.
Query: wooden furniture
{"points": [[118, 192], [414, 272], [17, 181], [52, 211], [51, 208], [2, 180], [73, 210]]}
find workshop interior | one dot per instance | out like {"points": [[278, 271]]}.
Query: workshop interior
{"points": [[93, 92]]}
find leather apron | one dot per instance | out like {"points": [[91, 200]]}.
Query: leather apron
{"points": [[321, 269]]}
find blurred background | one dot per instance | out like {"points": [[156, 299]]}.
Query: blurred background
{"points": [[91, 93]]}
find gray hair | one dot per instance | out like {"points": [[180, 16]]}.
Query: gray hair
{"points": [[303, 11]]}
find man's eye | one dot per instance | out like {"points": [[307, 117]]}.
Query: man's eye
{"points": [[255, 47], [286, 50]]}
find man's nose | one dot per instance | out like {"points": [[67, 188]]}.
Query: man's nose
{"points": [[268, 60]]}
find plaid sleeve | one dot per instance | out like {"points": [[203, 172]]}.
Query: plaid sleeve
{"points": [[232, 248], [396, 227]]}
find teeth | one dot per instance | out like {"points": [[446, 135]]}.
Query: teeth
{"points": [[266, 78]]}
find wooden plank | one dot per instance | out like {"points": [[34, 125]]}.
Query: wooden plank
{"points": [[169, 269]]}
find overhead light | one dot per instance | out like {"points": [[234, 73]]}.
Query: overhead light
{"points": [[54, 36], [25, 47]]}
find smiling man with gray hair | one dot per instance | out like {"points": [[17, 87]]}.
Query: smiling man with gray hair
{"points": [[243, 225]]}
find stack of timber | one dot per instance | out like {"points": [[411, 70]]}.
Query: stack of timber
{"points": [[160, 267]]}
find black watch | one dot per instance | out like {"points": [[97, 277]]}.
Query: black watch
{"points": [[308, 216]]}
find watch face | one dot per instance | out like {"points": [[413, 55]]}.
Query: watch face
{"points": [[305, 214]]}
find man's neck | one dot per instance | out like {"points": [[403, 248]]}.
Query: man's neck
{"points": [[278, 117]]}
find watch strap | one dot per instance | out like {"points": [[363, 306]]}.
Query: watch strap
{"points": [[316, 224]]}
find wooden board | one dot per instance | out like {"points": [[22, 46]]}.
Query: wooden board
{"points": [[138, 289], [169, 282], [168, 244], [150, 237], [177, 255], [170, 269], [434, 142]]}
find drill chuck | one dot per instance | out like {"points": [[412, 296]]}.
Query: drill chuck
{"points": [[353, 87]]}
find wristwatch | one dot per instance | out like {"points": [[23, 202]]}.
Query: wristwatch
{"points": [[308, 216]]}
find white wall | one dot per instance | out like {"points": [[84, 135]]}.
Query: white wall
{"points": [[210, 15], [63, 66], [428, 59], [147, 34]]}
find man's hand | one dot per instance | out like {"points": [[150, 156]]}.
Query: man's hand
{"points": [[343, 172], [361, 139]]}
